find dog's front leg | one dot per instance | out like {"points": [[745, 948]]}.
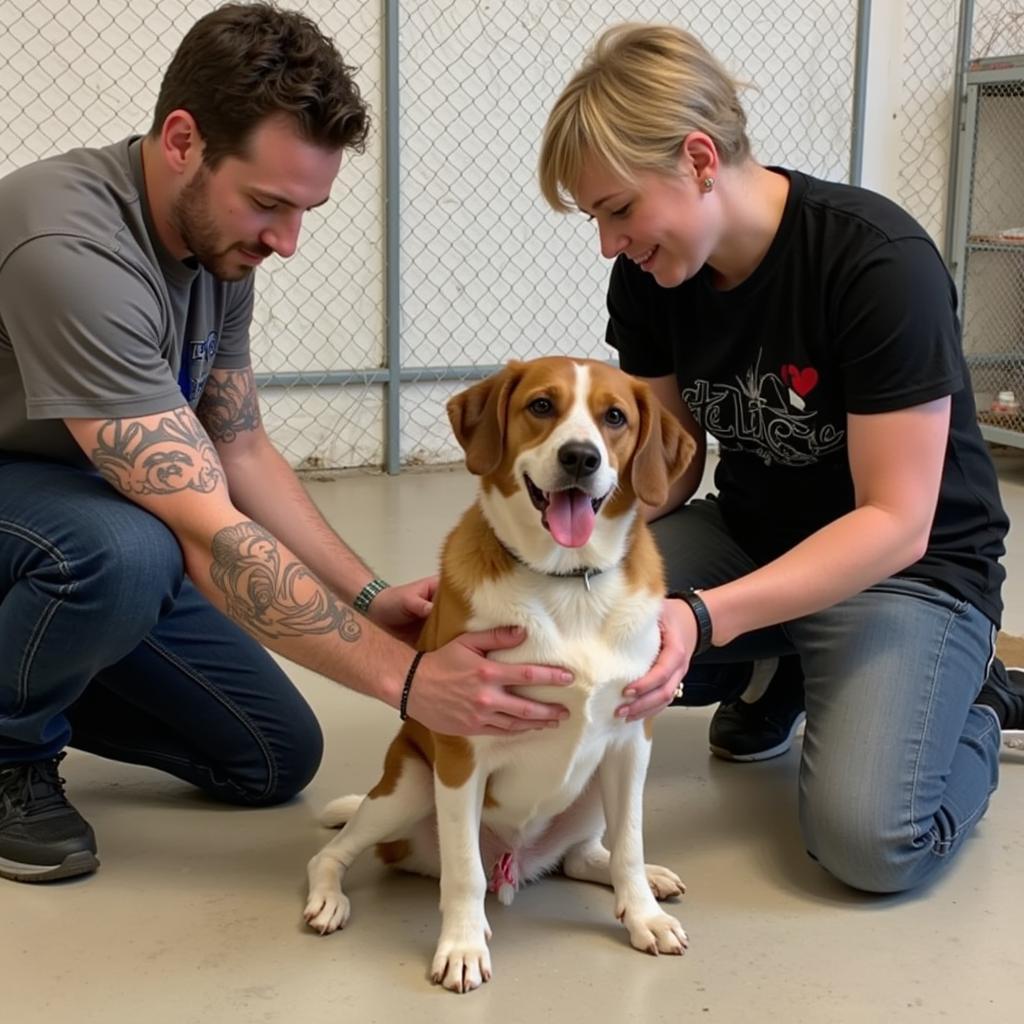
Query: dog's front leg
{"points": [[622, 773], [462, 961]]}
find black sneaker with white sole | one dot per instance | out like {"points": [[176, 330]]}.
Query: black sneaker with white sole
{"points": [[42, 837], [1003, 692], [763, 726]]}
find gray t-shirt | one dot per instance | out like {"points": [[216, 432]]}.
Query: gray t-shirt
{"points": [[95, 313]]}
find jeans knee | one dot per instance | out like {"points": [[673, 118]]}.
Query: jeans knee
{"points": [[289, 765], [861, 855], [297, 768]]}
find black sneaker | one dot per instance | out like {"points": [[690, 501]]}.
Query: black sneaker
{"points": [[42, 837], [1004, 693], [764, 726]]}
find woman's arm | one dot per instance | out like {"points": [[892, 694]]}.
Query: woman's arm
{"points": [[896, 461]]}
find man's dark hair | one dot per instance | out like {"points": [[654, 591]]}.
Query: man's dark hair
{"points": [[243, 63]]}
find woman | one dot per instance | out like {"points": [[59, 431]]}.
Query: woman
{"points": [[850, 557]]}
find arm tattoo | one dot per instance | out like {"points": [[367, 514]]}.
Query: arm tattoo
{"points": [[174, 456], [272, 599], [229, 405]]}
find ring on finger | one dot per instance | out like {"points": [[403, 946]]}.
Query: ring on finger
{"points": [[679, 691]]}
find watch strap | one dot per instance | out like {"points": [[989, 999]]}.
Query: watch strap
{"points": [[701, 614]]}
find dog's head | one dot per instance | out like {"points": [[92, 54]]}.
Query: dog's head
{"points": [[570, 444]]}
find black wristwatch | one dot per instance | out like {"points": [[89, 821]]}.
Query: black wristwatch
{"points": [[701, 614]]}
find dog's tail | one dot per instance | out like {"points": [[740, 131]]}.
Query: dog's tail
{"points": [[337, 812]]}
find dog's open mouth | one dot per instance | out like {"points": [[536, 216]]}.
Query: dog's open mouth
{"points": [[568, 515]]}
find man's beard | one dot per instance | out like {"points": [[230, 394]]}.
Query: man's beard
{"points": [[193, 220]]}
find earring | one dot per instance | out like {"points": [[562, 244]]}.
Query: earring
{"points": [[708, 183]]}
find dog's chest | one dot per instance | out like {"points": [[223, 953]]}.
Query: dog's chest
{"points": [[607, 637], [604, 634]]}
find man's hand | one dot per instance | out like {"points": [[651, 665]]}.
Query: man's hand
{"points": [[401, 610], [458, 691], [654, 691]]}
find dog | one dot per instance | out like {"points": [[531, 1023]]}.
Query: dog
{"points": [[566, 449]]}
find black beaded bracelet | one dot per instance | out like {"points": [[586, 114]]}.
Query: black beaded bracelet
{"points": [[403, 706], [701, 614]]}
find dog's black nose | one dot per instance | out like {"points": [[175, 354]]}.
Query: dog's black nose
{"points": [[579, 458]]}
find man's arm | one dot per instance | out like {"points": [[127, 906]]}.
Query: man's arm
{"points": [[166, 464], [264, 486]]}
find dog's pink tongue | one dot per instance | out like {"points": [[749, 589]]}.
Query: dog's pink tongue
{"points": [[570, 517]]}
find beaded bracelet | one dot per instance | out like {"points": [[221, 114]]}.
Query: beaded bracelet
{"points": [[403, 706], [367, 594]]}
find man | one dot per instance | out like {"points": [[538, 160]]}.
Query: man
{"points": [[151, 537]]}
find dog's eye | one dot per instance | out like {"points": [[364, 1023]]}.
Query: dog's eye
{"points": [[541, 407], [615, 417]]}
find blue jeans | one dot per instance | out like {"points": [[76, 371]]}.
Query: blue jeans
{"points": [[105, 645], [898, 764]]}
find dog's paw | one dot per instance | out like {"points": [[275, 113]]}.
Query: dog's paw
{"points": [[461, 965], [664, 884], [327, 910], [657, 933]]}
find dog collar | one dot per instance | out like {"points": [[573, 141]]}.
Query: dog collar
{"points": [[586, 572]]}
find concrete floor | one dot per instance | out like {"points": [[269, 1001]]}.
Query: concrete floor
{"points": [[195, 915]]}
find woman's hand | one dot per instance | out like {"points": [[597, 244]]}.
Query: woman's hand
{"points": [[656, 690]]}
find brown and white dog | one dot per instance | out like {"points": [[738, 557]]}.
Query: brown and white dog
{"points": [[566, 450]]}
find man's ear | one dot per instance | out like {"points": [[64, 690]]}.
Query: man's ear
{"points": [[478, 417], [181, 142], [664, 449]]}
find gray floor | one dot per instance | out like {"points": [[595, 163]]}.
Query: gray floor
{"points": [[195, 913]]}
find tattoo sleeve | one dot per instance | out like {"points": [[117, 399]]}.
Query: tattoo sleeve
{"points": [[273, 599], [174, 456], [229, 404]]}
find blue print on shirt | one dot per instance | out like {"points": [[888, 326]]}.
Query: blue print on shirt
{"points": [[196, 362]]}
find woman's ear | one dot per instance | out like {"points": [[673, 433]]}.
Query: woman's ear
{"points": [[698, 157]]}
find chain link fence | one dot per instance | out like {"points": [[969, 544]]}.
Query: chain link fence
{"points": [[489, 273], [485, 271]]}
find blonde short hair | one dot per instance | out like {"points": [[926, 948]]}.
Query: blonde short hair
{"points": [[641, 91]]}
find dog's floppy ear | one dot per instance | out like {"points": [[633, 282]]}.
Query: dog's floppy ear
{"points": [[477, 416], [663, 451]]}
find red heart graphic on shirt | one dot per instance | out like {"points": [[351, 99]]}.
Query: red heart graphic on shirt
{"points": [[803, 382]]}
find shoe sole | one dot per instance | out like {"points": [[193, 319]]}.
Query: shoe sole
{"points": [[762, 755], [81, 863]]}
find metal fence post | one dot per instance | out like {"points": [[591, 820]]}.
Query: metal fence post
{"points": [[860, 82], [392, 242], [963, 54]]}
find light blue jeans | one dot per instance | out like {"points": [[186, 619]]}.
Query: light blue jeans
{"points": [[898, 764]]}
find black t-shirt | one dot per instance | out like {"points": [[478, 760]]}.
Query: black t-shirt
{"points": [[850, 311]]}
